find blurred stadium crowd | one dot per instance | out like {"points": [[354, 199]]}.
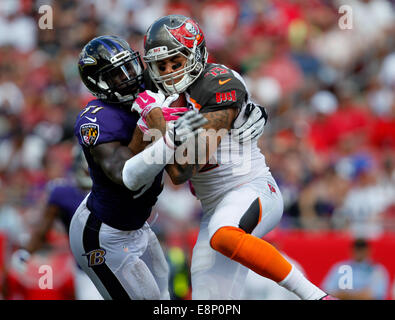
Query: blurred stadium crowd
{"points": [[329, 92]]}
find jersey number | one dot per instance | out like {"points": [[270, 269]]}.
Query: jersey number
{"points": [[217, 71], [94, 111]]}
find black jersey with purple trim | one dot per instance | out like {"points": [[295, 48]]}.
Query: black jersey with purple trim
{"points": [[113, 204], [217, 88]]}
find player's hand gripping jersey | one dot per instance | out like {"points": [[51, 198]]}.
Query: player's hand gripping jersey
{"points": [[112, 203]]}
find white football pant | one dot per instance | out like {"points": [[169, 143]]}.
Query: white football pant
{"points": [[121, 264], [215, 276]]}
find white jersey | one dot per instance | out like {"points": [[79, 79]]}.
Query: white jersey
{"points": [[233, 163]]}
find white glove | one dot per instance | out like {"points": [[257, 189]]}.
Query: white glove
{"points": [[169, 100], [20, 259], [254, 126], [185, 127], [148, 100]]}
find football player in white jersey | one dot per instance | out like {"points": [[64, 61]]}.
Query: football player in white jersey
{"points": [[240, 199]]}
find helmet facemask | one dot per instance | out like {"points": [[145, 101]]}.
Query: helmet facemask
{"points": [[196, 58], [121, 81]]}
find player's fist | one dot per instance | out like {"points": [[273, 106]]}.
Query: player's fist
{"points": [[20, 259]]}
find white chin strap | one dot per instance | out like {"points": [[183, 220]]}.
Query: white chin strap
{"points": [[178, 87]]}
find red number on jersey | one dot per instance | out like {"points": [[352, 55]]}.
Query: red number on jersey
{"points": [[217, 71]]}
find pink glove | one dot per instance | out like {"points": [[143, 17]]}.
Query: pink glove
{"points": [[142, 124], [171, 114], [147, 101]]}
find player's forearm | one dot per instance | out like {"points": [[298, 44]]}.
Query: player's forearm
{"points": [[113, 168], [180, 174], [112, 157], [146, 165], [155, 120], [138, 142], [203, 147]]}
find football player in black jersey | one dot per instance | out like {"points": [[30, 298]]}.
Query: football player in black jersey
{"points": [[240, 206]]}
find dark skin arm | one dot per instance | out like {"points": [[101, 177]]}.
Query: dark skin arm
{"points": [[111, 157], [217, 120], [155, 120]]}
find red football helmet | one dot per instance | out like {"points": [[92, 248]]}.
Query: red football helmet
{"points": [[170, 36]]}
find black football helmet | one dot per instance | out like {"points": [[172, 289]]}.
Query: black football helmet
{"points": [[111, 70], [170, 36]]}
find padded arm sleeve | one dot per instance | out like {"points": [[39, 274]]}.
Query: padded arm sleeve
{"points": [[146, 165]]}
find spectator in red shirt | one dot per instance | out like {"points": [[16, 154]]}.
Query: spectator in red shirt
{"points": [[382, 135]]}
